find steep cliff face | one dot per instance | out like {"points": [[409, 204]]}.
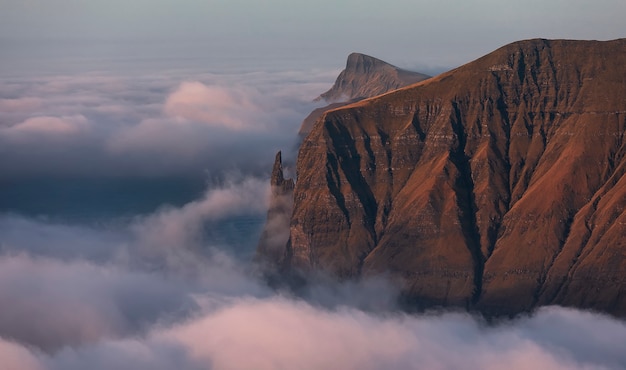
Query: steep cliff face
{"points": [[364, 77], [498, 186]]}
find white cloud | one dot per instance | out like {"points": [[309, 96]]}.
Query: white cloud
{"points": [[46, 125], [210, 126], [48, 303], [17, 357], [150, 124], [205, 312], [279, 333], [217, 106], [20, 104], [196, 119], [162, 136], [171, 233]]}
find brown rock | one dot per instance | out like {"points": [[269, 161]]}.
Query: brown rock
{"points": [[498, 186], [366, 76], [363, 77]]}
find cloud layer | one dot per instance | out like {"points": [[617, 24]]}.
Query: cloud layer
{"points": [[215, 106], [161, 291], [279, 333], [176, 122], [79, 138], [151, 293]]}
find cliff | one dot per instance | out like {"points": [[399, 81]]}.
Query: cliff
{"points": [[498, 186], [363, 77]]}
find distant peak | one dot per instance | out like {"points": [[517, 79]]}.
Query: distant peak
{"points": [[359, 58], [366, 76], [362, 63], [356, 55]]}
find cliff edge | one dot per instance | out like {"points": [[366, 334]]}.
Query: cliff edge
{"points": [[498, 186], [364, 77]]}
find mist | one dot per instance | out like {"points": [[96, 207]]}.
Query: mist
{"points": [[148, 125], [155, 292], [132, 300], [132, 200], [88, 145]]}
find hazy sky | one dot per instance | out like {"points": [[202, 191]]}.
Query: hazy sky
{"points": [[429, 33]]}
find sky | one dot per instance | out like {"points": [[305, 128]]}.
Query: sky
{"points": [[428, 34], [136, 142]]}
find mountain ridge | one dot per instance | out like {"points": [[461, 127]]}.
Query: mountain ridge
{"points": [[363, 77], [498, 186]]}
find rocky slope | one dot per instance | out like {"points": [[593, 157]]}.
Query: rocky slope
{"points": [[366, 76], [363, 77], [498, 186]]}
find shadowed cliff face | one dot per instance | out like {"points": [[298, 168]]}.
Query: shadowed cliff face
{"points": [[498, 186], [363, 77]]}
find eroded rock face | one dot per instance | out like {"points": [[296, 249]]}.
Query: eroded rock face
{"points": [[364, 77], [497, 186], [275, 235]]}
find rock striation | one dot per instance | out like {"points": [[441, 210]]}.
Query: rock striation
{"points": [[498, 186], [364, 77]]}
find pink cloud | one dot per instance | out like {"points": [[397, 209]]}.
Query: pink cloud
{"points": [[17, 357], [20, 104], [173, 227], [278, 333], [213, 105], [51, 125]]}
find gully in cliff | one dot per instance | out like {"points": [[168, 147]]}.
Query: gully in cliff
{"points": [[498, 186]]}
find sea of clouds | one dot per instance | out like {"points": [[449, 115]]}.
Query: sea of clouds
{"points": [[152, 294], [153, 291], [154, 124]]}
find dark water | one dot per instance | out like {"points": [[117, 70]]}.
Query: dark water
{"points": [[85, 200], [236, 235], [99, 201]]}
